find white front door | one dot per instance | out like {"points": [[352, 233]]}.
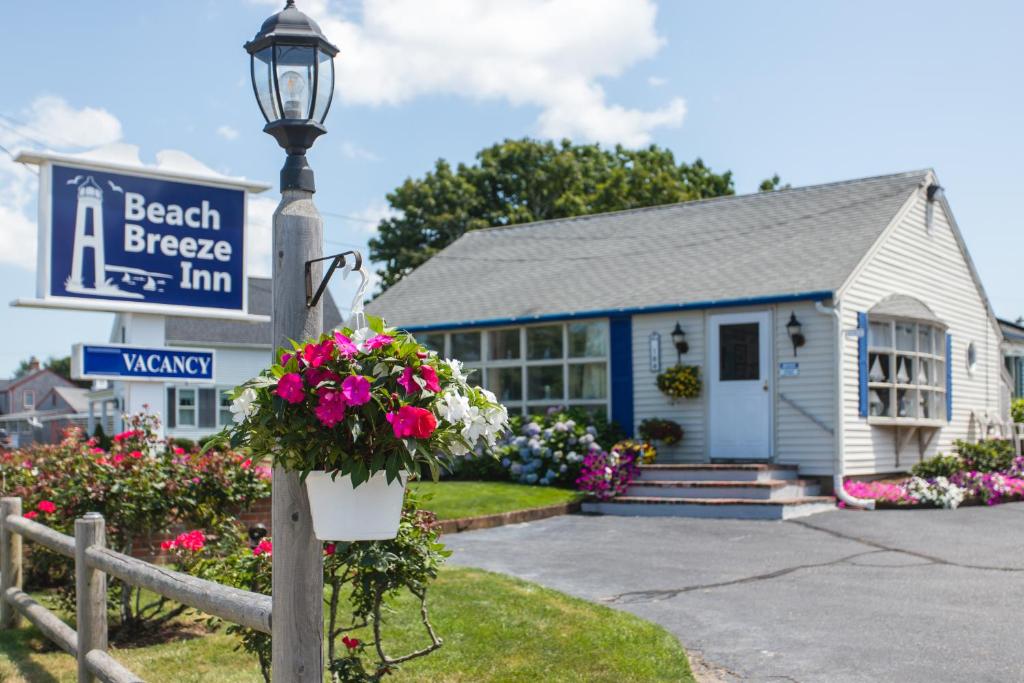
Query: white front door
{"points": [[739, 377]]}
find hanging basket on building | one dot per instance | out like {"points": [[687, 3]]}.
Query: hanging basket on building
{"points": [[680, 381], [343, 512]]}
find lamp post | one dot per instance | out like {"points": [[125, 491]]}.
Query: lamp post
{"points": [[292, 72], [679, 341], [795, 331]]}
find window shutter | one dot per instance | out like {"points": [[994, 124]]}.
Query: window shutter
{"points": [[862, 364], [949, 378], [207, 407], [172, 408]]}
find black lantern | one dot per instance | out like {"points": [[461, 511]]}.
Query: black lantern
{"points": [[293, 79], [794, 328], [679, 340]]}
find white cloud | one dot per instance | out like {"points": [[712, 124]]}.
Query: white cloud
{"points": [[369, 217], [351, 150], [656, 81], [227, 132], [549, 54], [260, 220]]}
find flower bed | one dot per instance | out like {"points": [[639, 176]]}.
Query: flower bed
{"points": [[983, 473]]}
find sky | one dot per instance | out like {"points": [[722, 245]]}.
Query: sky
{"points": [[813, 91]]}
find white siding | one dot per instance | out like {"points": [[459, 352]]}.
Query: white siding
{"points": [[648, 401], [800, 440], [931, 268]]}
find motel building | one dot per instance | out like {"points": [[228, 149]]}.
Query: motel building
{"points": [[841, 330]]}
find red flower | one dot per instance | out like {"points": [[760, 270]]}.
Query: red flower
{"points": [[130, 434], [96, 451], [136, 454], [265, 547], [316, 354], [190, 540], [32, 514], [178, 450], [430, 375], [350, 643], [329, 549], [247, 463], [118, 458], [418, 423], [290, 389], [46, 506]]}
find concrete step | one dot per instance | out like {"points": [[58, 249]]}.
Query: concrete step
{"points": [[722, 508], [718, 472], [755, 490]]}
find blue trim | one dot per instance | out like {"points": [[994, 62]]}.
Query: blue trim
{"points": [[621, 360], [614, 312], [949, 378], [862, 364]]}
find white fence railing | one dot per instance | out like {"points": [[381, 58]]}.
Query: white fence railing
{"points": [[93, 563]]}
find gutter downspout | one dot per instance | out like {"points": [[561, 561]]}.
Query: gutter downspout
{"points": [[837, 478]]}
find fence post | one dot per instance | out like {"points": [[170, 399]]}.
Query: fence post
{"points": [[10, 561], [90, 593]]}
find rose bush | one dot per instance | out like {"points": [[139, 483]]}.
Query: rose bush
{"points": [[358, 402]]}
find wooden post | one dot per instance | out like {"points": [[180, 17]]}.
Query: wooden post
{"points": [[298, 585], [90, 593], [10, 562]]}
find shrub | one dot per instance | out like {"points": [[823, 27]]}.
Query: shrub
{"points": [[668, 432], [680, 381], [938, 466], [1017, 410], [989, 455], [643, 453], [605, 475]]}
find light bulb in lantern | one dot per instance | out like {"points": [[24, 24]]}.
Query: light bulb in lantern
{"points": [[293, 91]]}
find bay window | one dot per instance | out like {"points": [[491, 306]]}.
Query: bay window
{"points": [[906, 371]]}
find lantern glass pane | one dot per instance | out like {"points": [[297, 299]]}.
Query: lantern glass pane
{"points": [[324, 86], [263, 83], [295, 79]]}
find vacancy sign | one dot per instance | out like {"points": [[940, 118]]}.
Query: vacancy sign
{"points": [[118, 361], [125, 239]]}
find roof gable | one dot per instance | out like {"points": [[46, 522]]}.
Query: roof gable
{"points": [[771, 244]]}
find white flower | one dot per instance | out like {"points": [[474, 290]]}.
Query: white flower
{"points": [[457, 374], [453, 407], [244, 407]]}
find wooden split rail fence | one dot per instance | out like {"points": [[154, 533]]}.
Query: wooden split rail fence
{"points": [[93, 563]]}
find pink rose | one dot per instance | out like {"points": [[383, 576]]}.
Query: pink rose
{"points": [[290, 389], [346, 349], [356, 390], [331, 409], [418, 423], [430, 375], [379, 341]]}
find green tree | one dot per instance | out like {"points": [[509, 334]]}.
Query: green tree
{"points": [[519, 181], [772, 184]]}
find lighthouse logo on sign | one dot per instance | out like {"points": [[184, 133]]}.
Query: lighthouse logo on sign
{"points": [[146, 240]]}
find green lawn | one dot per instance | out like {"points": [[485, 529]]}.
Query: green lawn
{"points": [[495, 629], [458, 499]]}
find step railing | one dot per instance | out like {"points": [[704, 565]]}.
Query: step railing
{"points": [[87, 642]]}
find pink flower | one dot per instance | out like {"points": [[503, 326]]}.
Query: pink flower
{"points": [[430, 375], [407, 382], [264, 547], [314, 376], [379, 341], [190, 540], [118, 458], [165, 545], [329, 549], [316, 355], [136, 454], [46, 506], [263, 471], [130, 434], [356, 390], [285, 357], [346, 349], [32, 514], [418, 423], [290, 389], [331, 409], [178, 450], [246, 464]]}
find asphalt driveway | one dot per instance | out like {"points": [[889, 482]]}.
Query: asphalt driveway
{"points": [[911, 596]]}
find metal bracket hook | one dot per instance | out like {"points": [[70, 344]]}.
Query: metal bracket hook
{"points": [[337, 260]]}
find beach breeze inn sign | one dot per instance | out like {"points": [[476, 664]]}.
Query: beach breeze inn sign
{"points": [[125, 239], [120, 361]]}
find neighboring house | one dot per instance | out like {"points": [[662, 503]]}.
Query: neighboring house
{"points": [[241, 351], [1013, 355], [40, 405], [580, 312]]}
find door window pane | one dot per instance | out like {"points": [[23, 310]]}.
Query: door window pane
{"points": [[434, 341], [588, 380], [544, 343], [504, 345], [545, 382], [739, 352], [506, 383], [466, 346], [587, 340]]}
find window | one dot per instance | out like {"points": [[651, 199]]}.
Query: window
{"points": [[972, 358], [536, 367], [224, 414], [906, 371], [739, 353], [28, 399], [186, 408]]}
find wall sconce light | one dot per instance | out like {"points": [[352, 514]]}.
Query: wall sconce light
{"points": [[796, 335], [679, 339]]}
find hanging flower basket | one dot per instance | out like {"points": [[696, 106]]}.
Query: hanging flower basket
{"points": [[355, 413], [680, 381]]}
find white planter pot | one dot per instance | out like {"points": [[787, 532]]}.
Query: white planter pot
{"points": [[369, 512]]}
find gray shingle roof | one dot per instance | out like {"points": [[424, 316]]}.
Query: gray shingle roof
{"points": [[759, 245], [185, 330]]}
